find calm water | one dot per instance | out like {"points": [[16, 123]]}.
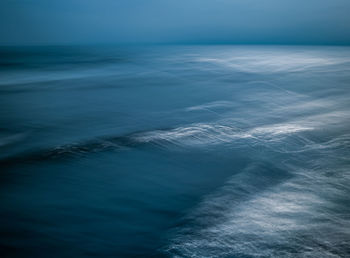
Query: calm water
{"points": [[186, 151]]}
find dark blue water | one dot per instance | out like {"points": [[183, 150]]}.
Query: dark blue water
{"points": [[175, 151]]}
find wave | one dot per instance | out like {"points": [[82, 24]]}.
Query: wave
{"points": [[195, 135], [223, 131], [73, 150], [217, 134], [272, 213], [268, 62]]}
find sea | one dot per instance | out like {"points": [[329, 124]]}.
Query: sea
{"points": [[175, 151]]}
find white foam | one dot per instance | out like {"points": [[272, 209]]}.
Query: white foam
{"points": [[272, 61], [294, 214], [216, 133]]}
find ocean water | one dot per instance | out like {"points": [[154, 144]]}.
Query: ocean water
{"points": [[175, 151]]}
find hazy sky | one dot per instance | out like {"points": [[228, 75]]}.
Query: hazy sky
{"points": [[185, 21]]}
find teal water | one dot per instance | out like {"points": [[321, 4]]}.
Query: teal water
{"points": [[175, 151]]}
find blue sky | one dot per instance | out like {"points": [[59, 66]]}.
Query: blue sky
{"points": [[175, 21]]}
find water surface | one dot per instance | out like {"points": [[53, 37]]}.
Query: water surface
{"points": [[175, 151]]}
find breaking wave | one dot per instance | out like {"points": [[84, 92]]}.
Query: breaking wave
{"points": [[282, 210]]}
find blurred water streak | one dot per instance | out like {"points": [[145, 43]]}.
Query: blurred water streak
{"points": [[189, 151]]}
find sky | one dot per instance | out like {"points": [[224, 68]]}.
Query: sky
{"points": [[47, 22]]}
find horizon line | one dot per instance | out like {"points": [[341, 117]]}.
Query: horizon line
{"points": [[168, 43]]}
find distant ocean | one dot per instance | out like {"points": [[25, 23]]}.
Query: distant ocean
{"points": [[175, 151]]}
